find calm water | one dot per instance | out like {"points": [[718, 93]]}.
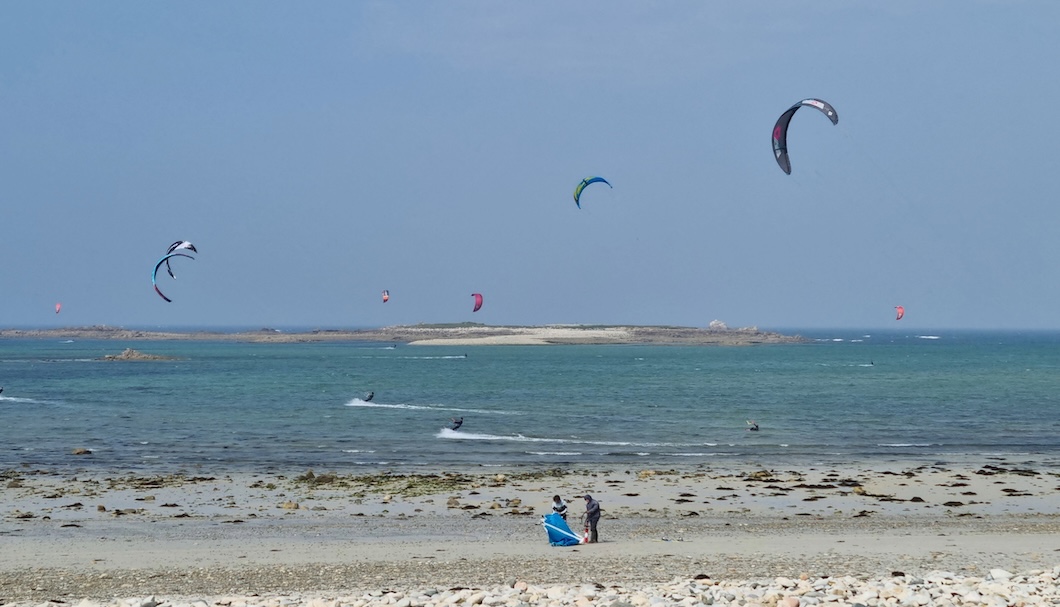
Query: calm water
{"points": [[849, 396]]}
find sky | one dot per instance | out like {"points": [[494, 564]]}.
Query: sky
{"points": [[318, 153]]}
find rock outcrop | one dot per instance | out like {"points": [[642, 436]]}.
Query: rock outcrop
{"points": [[130, 354]]}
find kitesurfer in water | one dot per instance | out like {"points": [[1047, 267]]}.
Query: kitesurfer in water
{"points": [[457, 422], [753, 425], [368, 397]]}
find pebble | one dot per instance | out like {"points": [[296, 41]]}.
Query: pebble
{"points": [[1031, 589]]}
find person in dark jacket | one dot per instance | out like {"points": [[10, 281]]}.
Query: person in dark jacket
{"points": [[592, 516]]}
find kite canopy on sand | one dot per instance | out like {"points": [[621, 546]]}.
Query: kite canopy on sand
{"points": [[581, 186], [478, 301], [780, 130], [559, 534]]}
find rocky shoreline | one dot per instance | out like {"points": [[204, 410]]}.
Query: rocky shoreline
{"points": [[463, 333], [969, 534]]}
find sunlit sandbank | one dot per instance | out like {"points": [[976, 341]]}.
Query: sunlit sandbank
{"points": [[444, 334]]}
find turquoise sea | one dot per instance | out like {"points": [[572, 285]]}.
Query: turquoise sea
{"points": [[849, 396]]}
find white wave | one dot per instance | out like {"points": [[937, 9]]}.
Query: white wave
{"points": [[382, 357], [434, 357], [19, 399], [68, 341], [574, 440], [356, 402], [904, 444], [361, 403], [928, 337], [358, 450], [553, 452]]}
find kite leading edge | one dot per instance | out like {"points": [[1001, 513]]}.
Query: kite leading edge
{"points": [[780, 130], [154, 274], [581, 186]]}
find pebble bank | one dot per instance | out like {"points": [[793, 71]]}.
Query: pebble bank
{"points": [[996, 589]]}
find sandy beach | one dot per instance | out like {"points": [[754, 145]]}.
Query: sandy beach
{"points": [[321, 535]]}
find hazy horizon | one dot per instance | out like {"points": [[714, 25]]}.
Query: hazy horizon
{"points": [[821, 331]]}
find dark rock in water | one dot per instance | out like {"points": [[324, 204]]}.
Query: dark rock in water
{"points": [[130, 354]]}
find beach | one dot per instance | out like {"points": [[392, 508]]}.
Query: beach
{"points": [[445, 537]]}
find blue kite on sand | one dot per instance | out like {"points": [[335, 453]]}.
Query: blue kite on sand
{"points": [[559, 534]]}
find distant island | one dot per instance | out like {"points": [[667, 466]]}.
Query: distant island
{"points": [[464, 334]]}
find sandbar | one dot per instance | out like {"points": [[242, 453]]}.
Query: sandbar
{"points": [[451, 335]]}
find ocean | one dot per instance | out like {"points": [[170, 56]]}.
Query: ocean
{"points": [[846, 397]]}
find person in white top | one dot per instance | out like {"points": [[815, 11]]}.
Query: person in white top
{"points": [[559, 506]]}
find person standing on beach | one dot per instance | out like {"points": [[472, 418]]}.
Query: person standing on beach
{"points": [[559, 506], [592, 517]]}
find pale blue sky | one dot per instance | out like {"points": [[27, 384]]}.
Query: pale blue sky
{"points": [[317, 153]]}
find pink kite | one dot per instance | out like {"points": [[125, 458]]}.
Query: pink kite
{"points": [[478, 301]]}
